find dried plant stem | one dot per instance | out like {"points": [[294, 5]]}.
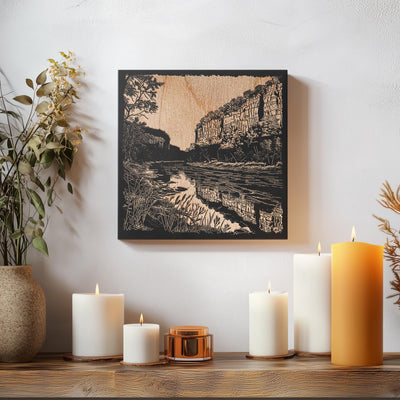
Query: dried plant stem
{"points": [[391, 200]]}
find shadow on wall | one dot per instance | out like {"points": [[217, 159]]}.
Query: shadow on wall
{"points": [[298, 169], [59, 312], [298, 189]]}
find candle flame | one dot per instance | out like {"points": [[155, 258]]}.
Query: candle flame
{"points": [[269, 287], [97, 289], [353, 234], [141, 319], [319, 248]]}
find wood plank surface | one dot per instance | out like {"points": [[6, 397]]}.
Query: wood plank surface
{"points": [[228, 375]]}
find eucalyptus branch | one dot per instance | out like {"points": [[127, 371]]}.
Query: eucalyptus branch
{"points": [[42, 141]]}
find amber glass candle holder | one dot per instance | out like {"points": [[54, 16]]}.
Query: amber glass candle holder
{"points": [[188, 343]]}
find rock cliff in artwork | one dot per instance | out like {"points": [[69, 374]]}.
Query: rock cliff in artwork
{"points": [[256, 113]]}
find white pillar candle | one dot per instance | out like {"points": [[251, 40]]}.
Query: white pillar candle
{"points": [[312, 303], [268, 323], [97, 324], [141, 343]]}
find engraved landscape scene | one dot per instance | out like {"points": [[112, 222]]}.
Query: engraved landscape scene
{"points": [[201, 156]]}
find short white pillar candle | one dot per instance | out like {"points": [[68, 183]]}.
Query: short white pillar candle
{"points": [[268, 323], [97, 323], [141, 343]]}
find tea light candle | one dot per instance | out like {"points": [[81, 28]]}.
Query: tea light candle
{"points": [[97, 321], [141, 343], [357, 303], [268, 323], [312, 302]]}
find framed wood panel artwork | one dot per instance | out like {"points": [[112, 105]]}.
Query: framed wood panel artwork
{"points": [[202, 154]]}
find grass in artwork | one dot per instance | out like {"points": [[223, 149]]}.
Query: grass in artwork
{"points": [[148, 206]]}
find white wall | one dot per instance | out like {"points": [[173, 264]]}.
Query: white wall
{"points": [[344, 140]]}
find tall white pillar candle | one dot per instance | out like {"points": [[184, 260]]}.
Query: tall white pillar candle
{"points": [[141, 343], [312, 303], [97, 324], [268, 323]]}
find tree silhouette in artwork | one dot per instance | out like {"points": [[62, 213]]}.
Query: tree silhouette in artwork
{"points": [[140, 96]]}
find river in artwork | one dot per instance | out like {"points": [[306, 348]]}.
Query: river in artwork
{"points": [[243, 197]]}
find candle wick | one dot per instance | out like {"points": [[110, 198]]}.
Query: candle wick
{"points": [[353, 240], [269, 290]]}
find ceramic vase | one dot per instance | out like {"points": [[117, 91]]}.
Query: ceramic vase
{"points": [[22, 314]]}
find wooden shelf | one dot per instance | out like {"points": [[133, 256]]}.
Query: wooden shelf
{"points": [[228, 375]]}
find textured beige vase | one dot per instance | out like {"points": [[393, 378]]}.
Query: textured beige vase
{"points": [[22, 314]]}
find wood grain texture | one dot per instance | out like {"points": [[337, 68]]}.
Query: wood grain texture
{"points": [[228, 375]]}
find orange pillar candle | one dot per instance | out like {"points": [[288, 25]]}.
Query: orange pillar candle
{"points": [[357, 304]]}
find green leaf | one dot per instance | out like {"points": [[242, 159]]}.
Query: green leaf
{"points": [[59, 210], [46, 89], [61, 171], [69, 153], [47, 158], [29, 82], [37, 202], [40, 245], [25, 168], [24, 99], [12, 154], [32, 221], [54, 146], [50, 197], [33, 143], [48, 182], [41, 78], [28, 230], [31, 158], [69, 186], [9, 223], [42, 107], [16, 235], [38, 183]]}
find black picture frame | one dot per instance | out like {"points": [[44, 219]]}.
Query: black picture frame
{"points": [[230, 181]]}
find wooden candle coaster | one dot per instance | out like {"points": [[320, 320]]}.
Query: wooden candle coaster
{"points": [[71, 357], [312, 355], [290, 354], [162, 361]]}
